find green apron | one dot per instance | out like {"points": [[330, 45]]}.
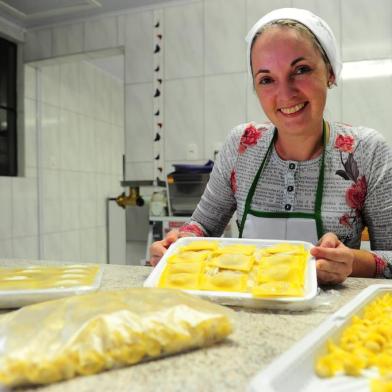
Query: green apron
{"points": [[301, 226]]}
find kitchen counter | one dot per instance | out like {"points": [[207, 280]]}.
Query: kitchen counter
{"points": [[258, 338]]}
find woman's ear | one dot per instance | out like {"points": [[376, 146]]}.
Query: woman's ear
{"points": [[331, 78]]}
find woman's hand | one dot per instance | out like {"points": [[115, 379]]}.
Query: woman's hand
{"points": [[334, 260], [158, 248]]}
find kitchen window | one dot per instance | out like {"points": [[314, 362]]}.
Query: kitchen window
{"points": [[8, 109]]}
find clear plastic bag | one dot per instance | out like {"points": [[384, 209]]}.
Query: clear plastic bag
{"points": [[87, 334]]}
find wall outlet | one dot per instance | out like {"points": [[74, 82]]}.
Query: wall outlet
{"points": [[191, 152]]}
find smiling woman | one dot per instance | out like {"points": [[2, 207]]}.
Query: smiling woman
{"points": [[299, 177]]}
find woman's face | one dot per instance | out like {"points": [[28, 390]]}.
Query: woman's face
{"points": [[290, 79]]}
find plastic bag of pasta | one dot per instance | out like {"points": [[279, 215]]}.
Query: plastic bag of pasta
{"points": [[87, 334]]}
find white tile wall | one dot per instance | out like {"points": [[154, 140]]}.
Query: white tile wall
{"points": [[6, 248], [50, 79], [5, 208], [184, 50], [51, 147], [139, 122], [224, 107], [139, 170], [255, 9], [366, 102], [138, 47], [29, 82], [184, 114], [87, 200], [24, 207], [68, 39], [71, 245], [366, 34], [70, 197], [100, 33], [88, 156], [69, 86], [38, 44], [30, 127], [87, 89], [224, 36], [69, 140], [82, 147], [25, 247]]}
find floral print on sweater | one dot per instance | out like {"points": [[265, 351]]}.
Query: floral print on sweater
{"points": [[356, 192]]}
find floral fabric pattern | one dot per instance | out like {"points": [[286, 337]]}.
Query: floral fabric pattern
{"points": [[193, 229], [356, 193], [233, 181], [249, 138], [344, 143]]}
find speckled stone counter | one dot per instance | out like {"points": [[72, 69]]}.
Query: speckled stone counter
{"points": [[259, 337]]}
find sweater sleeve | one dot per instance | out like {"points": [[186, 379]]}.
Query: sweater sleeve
{"points": [[218, 202], [377, 212]]}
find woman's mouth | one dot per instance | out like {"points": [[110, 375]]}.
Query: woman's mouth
{"points": [[293, 109]]}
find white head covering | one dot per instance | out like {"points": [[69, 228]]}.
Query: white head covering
{"points": [[314, 23]]}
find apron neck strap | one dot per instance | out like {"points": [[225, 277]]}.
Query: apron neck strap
{"points": [[319, 191]]}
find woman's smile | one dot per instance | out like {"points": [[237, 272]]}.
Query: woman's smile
{"points": [[289, 111]]}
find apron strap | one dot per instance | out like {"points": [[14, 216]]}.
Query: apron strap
{"points": [[252, 188], [319, 191]]}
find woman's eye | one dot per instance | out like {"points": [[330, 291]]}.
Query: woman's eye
{"points": [[302, 69], [265, 80]]}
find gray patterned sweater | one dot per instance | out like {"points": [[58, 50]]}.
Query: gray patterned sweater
{"points": [[357, 185]]}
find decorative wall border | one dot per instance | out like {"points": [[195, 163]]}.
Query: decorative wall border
{"points": [[158, 124]]}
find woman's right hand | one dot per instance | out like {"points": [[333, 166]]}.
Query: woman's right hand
{"points": [[158, 248]]}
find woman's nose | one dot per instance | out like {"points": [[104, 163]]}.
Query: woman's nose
{"points": [[287, 90]]}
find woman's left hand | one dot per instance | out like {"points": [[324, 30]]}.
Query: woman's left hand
{"points": [[334, 260]]}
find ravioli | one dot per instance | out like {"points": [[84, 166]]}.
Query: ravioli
{"points": [[224, 281], [200, 245], [238, 249], [209, 265], [188, 257], [233, 261], [181, 276], [286, 248]]}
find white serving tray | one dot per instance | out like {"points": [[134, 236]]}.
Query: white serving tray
{"points": [[245, 299], [11, 299], [294, 370]]}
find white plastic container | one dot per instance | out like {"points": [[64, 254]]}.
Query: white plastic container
{"points": [[16, 298], [294, 370], [245, 299]]}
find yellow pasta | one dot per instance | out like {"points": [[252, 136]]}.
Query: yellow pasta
{"points": [[365, 342], [47, 277], [233, 261], [87, 334], [224, 281], [187, 257], [200, 245], [204, 265], [238, 249]]}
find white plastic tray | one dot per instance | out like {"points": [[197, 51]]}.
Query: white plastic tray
{"points": [[10, 299], [245, 299], [294, 370]]}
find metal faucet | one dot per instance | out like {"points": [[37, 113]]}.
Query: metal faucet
{"points": [[132, 199]]}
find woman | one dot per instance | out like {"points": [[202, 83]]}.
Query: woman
{"points": [[300, 177]]}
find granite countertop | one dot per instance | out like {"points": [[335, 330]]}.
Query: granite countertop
{"points": [[258, 338]]}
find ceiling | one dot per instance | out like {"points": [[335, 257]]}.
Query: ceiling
{"points": [[34, 13]]}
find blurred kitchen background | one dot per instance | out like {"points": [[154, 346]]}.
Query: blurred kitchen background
{"points": [[111, 94]]}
